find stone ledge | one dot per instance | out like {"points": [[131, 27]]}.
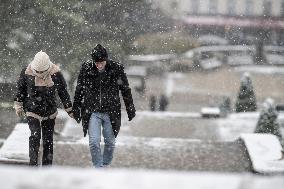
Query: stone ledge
{"points": [[265, 152]]}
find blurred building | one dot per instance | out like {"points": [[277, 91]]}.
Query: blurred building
{"points": [[234, 19], [272, 8]]}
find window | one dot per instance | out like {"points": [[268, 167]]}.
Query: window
{"points": [[267, 5], [174, 5], [213, 6], [249, 7], [282, 9], [195, 6], [231, 7]]}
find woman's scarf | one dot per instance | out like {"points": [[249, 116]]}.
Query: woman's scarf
{"points": [[43, 79]]}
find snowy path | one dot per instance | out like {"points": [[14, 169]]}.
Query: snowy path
{"points": [[62, 178], [159, 140], [138, 152]]}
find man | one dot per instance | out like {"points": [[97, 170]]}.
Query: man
{"points": [[36, 100], [97, 103]]}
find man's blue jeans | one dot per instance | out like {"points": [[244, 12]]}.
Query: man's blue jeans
{"points": [[98, 121]]}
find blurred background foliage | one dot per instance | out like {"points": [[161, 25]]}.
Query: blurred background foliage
{"points": [[68, 29], [164, 43]]}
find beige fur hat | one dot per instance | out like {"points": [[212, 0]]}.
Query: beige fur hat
{"points": [[41, 62]]}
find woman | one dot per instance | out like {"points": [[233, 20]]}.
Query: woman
{"points": [[36, 100]]}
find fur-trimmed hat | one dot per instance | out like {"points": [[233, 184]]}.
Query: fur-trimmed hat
{"points": [[41, 62], [99, 53]]}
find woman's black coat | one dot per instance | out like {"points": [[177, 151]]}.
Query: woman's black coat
{"points": [[41, 100], [99, 92]]}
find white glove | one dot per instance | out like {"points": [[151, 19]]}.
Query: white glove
{"points": [[19, 109], [20, 112]]}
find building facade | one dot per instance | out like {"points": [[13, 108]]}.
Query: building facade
{"points": [[250, 8], [233, 19]]}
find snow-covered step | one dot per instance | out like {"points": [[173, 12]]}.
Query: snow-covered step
{"points": [[16, 147], [161, 153], [138, 152], [89, 178], [2, 140], [265, 152]]}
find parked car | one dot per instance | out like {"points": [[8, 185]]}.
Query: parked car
{"points": [[208, 57], [205, 40]]}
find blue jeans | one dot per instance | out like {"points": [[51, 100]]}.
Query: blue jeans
{"points": [[98, 121]]}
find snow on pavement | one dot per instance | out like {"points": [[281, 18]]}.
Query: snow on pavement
{"points": [[89, 178], [145, 141], [168, 114], [16, 147], [72, 128], [261, 69], [231, 127]]}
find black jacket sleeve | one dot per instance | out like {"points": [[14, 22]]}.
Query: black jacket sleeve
{"points": [[21, 88], [63, 94], [79, 94], [126, 93]]}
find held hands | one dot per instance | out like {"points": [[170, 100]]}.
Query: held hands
{"points": [[71, 115], [70, 112]]}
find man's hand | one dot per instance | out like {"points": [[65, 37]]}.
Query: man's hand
{"points": [[131, 115], [131, 112]]}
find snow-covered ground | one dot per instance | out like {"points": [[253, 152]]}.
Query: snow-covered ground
{"points": [[16, 147], [64, 177], [261, 69], [228, 129], [231, 127]]}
